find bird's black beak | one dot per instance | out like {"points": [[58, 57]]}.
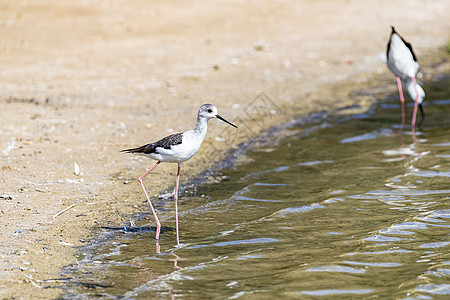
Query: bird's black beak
{"points": [[422, 112], [220, 118]]}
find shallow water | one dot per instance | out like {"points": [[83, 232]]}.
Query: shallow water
{"points": [[347, 207]]}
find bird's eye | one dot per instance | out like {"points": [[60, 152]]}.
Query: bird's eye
{"points": [[210, 110]]}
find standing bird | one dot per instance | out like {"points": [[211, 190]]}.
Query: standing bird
{"points": [[177, 148], [402, 61]]}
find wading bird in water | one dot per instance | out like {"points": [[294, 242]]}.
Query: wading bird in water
{"points": [[402, 61], [177, 148]]}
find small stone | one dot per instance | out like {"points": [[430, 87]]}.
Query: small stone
{"points": [[76, 169]]}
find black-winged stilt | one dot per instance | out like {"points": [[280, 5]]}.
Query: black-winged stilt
{"points": [[177, 148], [402, 61]]}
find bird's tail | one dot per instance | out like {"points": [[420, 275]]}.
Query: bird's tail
{"points": [[135, 150]]}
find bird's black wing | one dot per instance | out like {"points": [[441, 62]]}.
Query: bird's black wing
{"points": [[410, 49], [389, 44], [166, 143]]}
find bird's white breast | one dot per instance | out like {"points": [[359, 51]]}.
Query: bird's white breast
{"points": [[191, 143]]}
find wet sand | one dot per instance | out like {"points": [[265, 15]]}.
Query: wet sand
{"points": [[81, 81]]}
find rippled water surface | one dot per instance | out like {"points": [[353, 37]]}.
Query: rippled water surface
{"points": [[346, 207]]}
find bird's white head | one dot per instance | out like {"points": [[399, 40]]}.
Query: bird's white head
{"points": [[414, 89], [209, 111]]}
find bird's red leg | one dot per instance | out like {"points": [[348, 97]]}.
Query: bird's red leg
{"points": [[416, 105], [176, 200], [402, 100], [158, 225]]}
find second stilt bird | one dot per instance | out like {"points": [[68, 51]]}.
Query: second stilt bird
{"points": [[402, 61]]}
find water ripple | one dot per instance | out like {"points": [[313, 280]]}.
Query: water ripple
{"points": [[442, 102], [368, 136], [408, 192], [243, 198], [300, 209], [401, 228], [432, 174], [435, 245], [400, 151], [250, 241], [436, 216], [249, 256], [312, 163], [257, 174], [380, 252], [382, 238], [336, 269], [437, 289], [444, 213], [337, 292], [383, 265], [439, 273], [269, 184]]}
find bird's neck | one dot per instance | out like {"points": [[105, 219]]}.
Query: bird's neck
{"points": [[201, 125]]}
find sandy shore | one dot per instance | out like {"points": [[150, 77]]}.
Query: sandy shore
{"points": [[82, 80]]}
